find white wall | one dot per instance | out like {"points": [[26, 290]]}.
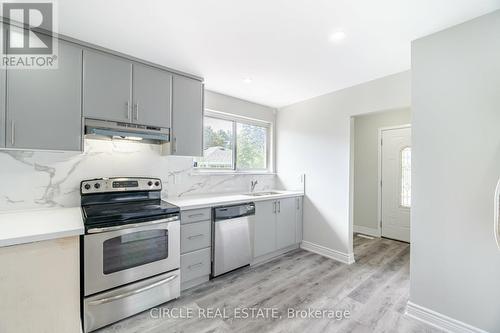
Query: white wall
{"points": [[313, 137], [455, 262], [366, 147]]}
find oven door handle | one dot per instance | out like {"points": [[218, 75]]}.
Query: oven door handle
{"points": [[133, 292], [134, 225]]}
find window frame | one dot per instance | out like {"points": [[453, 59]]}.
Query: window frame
{"points": [[235, 119]]}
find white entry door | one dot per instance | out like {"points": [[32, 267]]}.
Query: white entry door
{"points": [[396, 183]]}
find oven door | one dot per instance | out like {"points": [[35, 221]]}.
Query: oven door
{"points": [[116, 256]]}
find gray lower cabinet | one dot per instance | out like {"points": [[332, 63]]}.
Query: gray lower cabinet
{"points": [[195, 236], [195, 268], [152, 96], [2, 108], [44, 106], [264, 228], [299, 219], [187, 117], [196, 250], [286, 223], [276, 226], [107, 87]]}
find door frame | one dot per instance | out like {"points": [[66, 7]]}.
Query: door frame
{"points": [[379, 179]]}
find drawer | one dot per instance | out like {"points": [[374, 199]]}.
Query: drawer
{"points": [[113, 305], [195, 264], [195, 236], [196, 215]]}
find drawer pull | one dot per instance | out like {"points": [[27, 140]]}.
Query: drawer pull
{"points": [[195, 265], [195, 215], [195, 236]]}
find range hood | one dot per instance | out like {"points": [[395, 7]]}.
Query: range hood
{"points": [[126, 131]]}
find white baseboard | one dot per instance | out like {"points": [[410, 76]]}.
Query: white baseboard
{"points": [[366, 230], [346, 258], [270, 256], [439, 320]]}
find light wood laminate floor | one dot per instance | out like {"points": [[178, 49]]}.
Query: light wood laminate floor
{"points": [[374, 290]]}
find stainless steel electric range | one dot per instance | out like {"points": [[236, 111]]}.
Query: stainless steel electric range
{"points": [[130, 254]]}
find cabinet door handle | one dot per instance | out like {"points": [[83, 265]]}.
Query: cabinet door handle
{"points": [[195, 215], [298, 203], [279, 206], [136, 112], [175, 145], [274, 207], [12, 132], [127, 106]]}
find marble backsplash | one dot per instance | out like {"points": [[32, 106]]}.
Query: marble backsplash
{"points": [[37, 179]]}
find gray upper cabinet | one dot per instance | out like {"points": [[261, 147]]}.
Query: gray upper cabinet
{"points": [[44, 106], [152, 96], [2, 108], [187, 117], [264, 228], [286, 223], [107, 87]]}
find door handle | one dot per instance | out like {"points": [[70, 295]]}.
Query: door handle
{"points": [[136, 111], [133, 292], [195, 215], [274, 207], [127, 105], [279, 206], [12, 132]]}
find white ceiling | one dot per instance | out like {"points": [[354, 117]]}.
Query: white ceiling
{"points": [[282, 45]]}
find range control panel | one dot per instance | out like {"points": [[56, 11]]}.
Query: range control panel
{"points": [[103, 185]]}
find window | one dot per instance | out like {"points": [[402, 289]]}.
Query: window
{"points": [[234, 144], [406, 177], [218, 139]]}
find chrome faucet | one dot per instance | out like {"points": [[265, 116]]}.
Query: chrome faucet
{"points": [[253, 183]]}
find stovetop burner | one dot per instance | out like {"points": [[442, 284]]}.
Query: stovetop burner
{"points": [[116, 214], [118, 201]]}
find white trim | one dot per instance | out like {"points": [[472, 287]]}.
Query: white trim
{"points": [[234, 117], [375, 232], [439, 320], [496, 214], [346, 258], [379, 200], [352, 162]]}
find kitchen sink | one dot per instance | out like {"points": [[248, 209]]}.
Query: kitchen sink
{"points": [[260, 194]]}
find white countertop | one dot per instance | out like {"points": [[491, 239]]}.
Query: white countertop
{"points": [[210, 200], [19, 227]]}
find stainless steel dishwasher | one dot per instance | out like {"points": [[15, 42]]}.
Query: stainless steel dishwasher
{"points": [[231, 237]]}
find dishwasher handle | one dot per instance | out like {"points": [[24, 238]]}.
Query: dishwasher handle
{"points": [[232, 212]]}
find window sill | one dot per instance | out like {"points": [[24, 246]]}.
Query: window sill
{"points": [[230, 172]]}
